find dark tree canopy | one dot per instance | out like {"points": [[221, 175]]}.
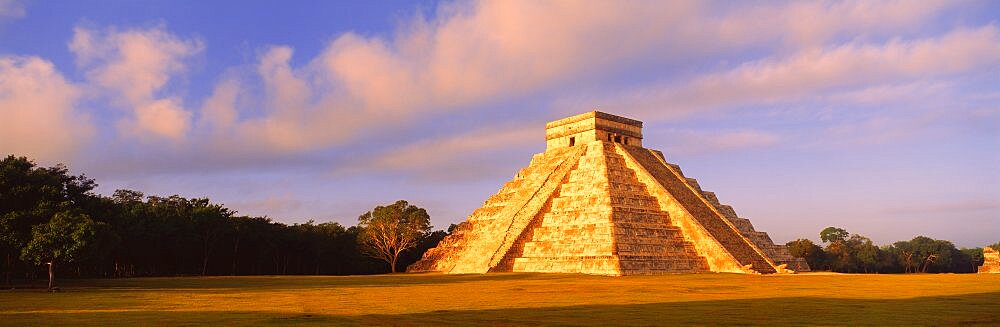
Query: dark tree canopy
{"points": [[30, 196], [151, 235], [805, 248], [833, 234], [858, 254], [67, 237]]}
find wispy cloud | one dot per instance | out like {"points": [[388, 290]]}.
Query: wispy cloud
{"points": [[11, 9], [473, 54], [894, 93], [814, 72], [476, 52], [135, 65], [465, 155], [806, 24]]}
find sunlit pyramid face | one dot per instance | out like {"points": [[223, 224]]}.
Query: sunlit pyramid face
{"points": [[597, 202]]}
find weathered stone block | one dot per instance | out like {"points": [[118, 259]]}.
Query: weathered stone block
{"points": [[991, 261]]}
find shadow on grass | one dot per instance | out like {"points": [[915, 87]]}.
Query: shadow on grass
{"points": [[271, 283], [968, 309]]}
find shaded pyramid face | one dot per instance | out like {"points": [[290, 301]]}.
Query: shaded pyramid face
{"points": [[596, 202]]}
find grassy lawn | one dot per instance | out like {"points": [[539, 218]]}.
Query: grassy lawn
{"points": [[514, 299]]}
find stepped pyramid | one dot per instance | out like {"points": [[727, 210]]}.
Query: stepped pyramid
{"points": [[597, 202]]}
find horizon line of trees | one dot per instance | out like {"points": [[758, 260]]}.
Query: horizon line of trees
{"points": [[853, 253], [52, 220]]}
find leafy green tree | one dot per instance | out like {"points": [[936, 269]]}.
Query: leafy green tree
{"points": [[805, 248], [973, 258], [863, 252], [833, 234], [924, 254], [839, 259], [387, 231], [67, 237], [888, 261], [31, 195], [905, 254]]}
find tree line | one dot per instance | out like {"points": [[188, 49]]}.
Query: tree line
{"points": [[852, 253], [52, 221]]}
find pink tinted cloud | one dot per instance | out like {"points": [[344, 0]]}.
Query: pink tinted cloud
{"points": [[38, 114], [815, 72], [476, 52], [804, 24], [470, 54], [137, 64]]}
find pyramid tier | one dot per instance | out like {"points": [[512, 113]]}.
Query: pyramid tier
{"points": [[587, 209]]}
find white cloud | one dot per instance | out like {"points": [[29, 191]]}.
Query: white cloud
{"points": [[219, 110], [136, 65], [38, 114]]}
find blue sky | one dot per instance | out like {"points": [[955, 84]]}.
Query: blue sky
{"points": [[879, 117]]}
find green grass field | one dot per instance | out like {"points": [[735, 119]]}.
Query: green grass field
{"points": [[514, 299]]}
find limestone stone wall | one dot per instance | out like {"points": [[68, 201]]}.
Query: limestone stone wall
{"points": [[991, 261], [592, 126]]}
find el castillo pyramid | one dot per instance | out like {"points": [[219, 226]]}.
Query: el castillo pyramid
{"points": [[597, 202]]}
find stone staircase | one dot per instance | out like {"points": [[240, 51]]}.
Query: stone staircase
{"points": [[603, 221], [503, 218], [740, 247]]}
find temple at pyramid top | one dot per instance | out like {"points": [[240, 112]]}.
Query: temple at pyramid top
{"points": [[597, 202], [592, 126]]}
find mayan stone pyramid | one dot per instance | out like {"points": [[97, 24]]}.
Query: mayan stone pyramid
{"points": [[597, 202]]}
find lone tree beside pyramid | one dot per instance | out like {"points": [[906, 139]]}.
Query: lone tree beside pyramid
{"points": [[387, 231], [598, 202]]}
